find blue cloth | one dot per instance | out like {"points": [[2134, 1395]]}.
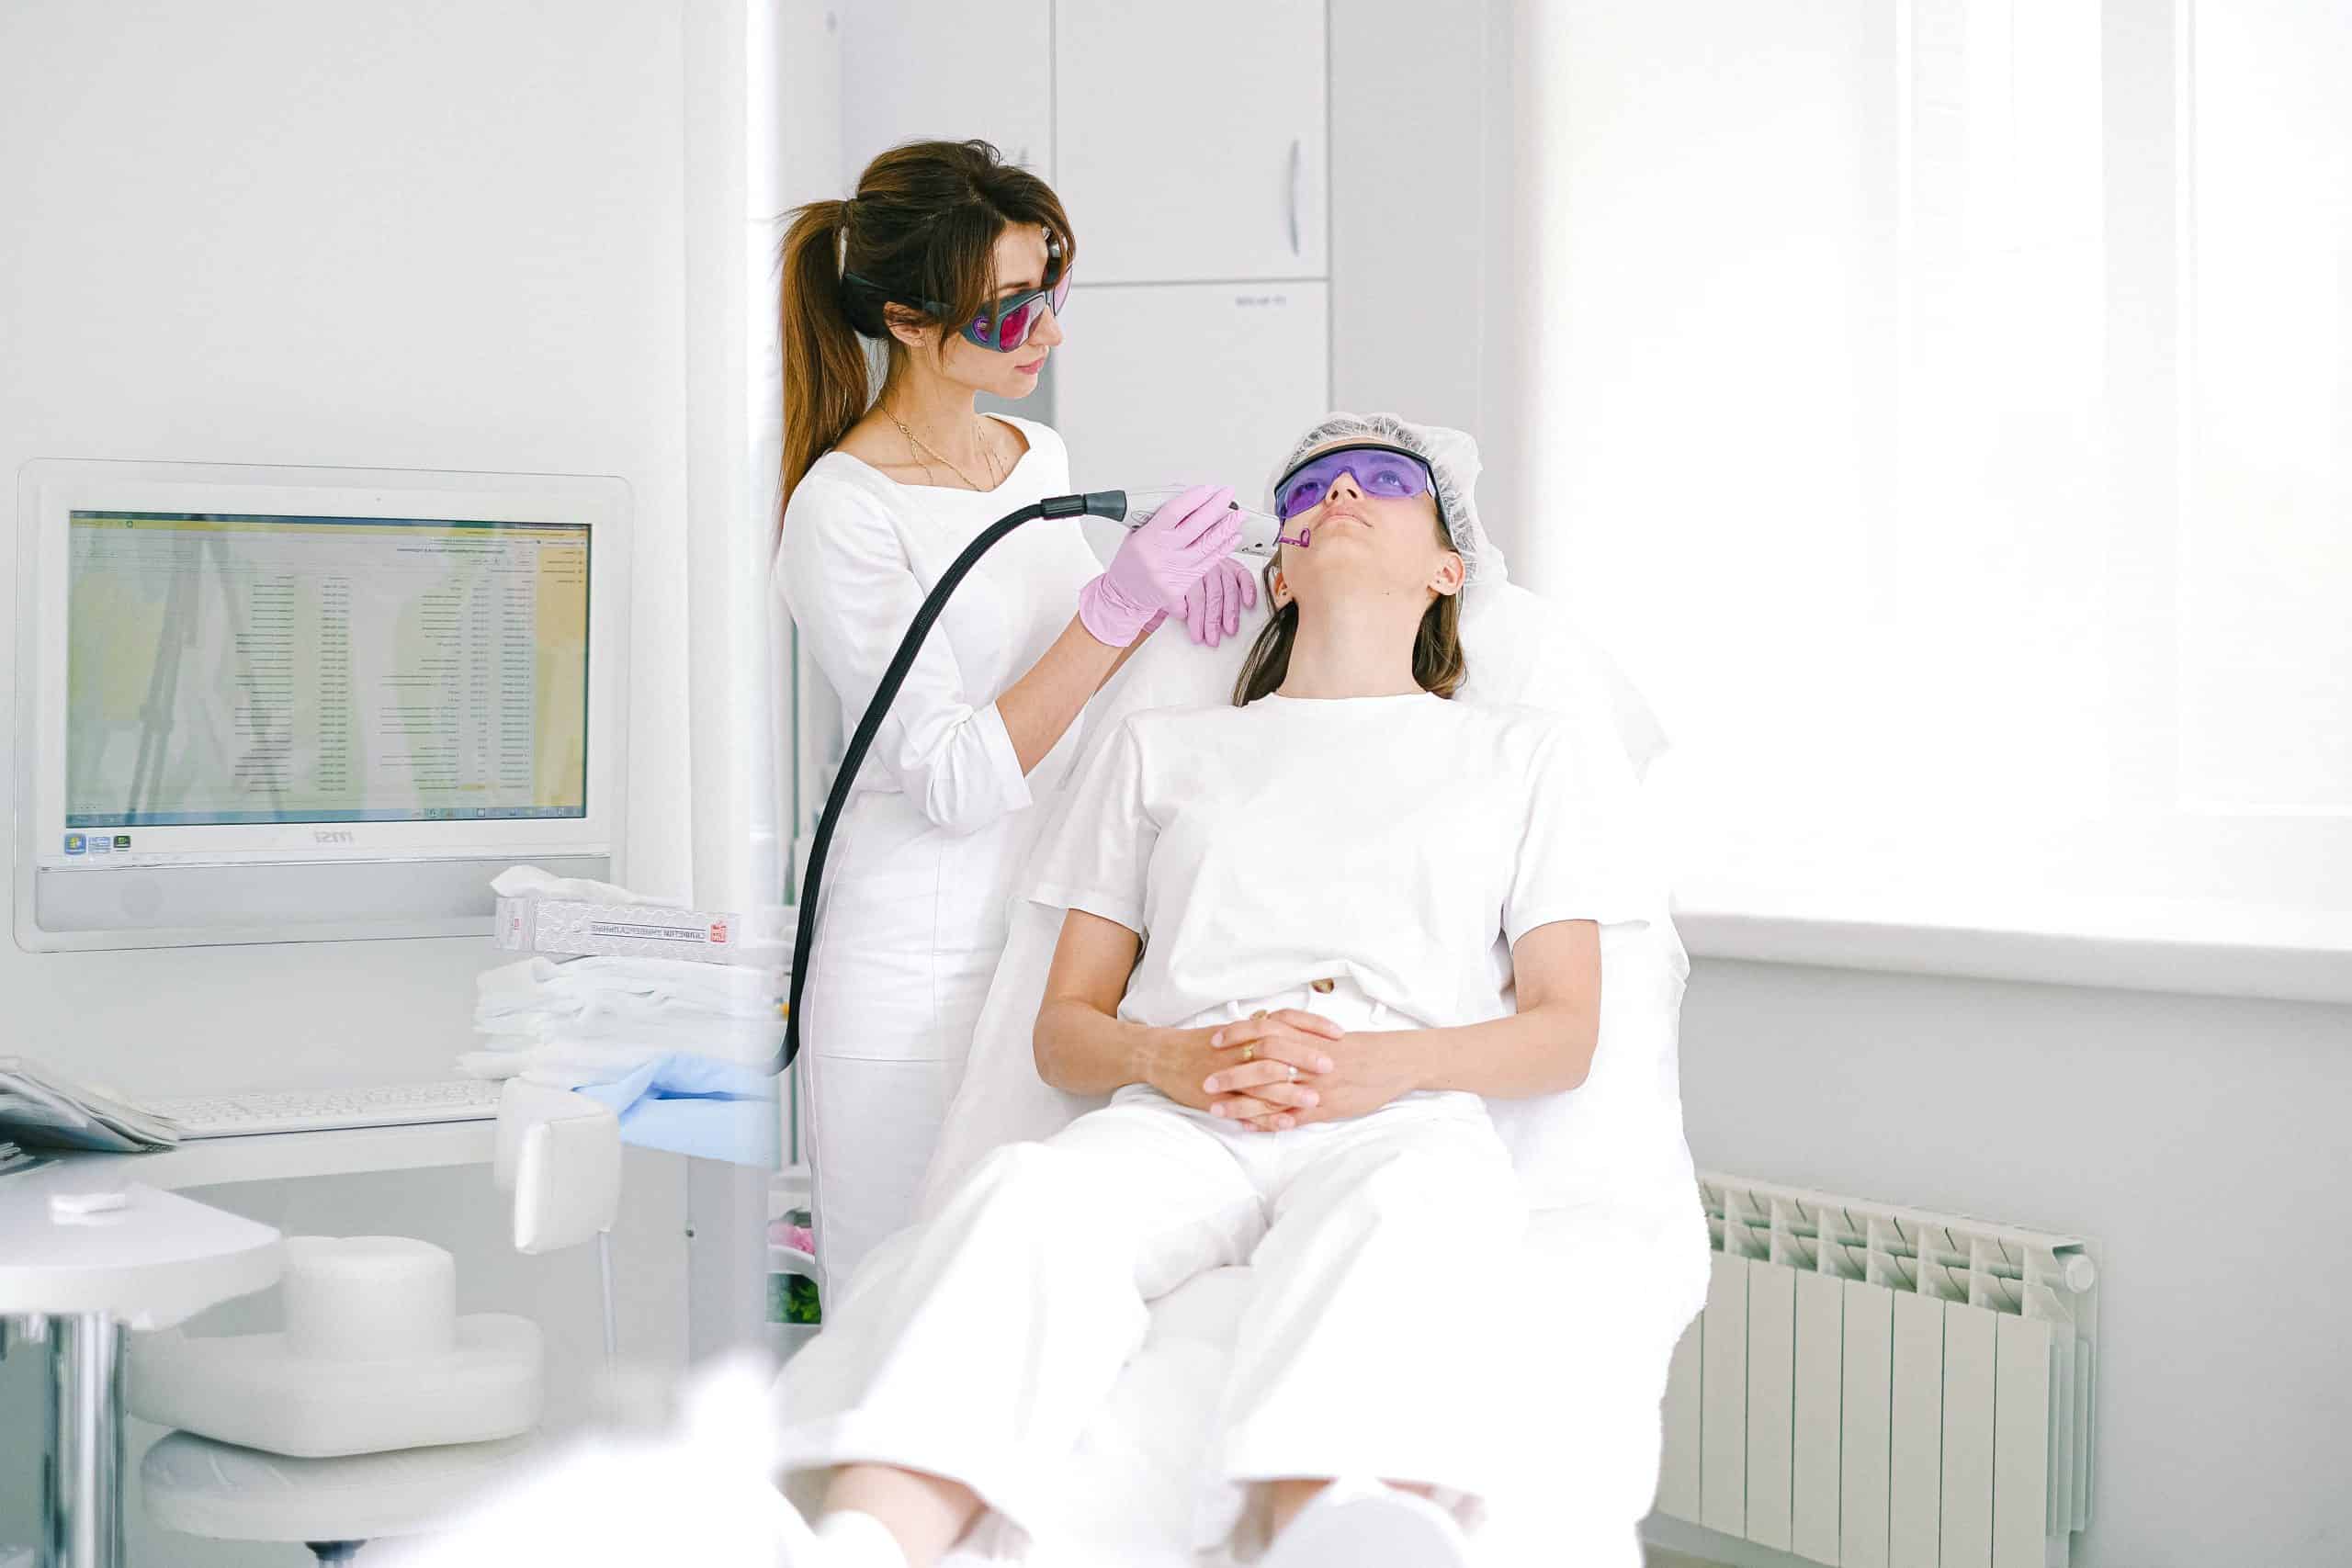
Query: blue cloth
{"points": [[693, 1105]]}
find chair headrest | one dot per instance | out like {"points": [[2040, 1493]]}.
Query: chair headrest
{"points": [[1521, 650]]}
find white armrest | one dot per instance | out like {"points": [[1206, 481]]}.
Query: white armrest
{"points": [[559, 1153]]}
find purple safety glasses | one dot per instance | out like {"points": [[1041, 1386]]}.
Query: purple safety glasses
{"points": [[1005, 327], [1379, 470]]}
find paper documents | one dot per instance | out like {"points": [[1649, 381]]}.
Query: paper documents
{"points": [[41, 1107]]}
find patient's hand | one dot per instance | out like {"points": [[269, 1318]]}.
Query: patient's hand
{"points": [[1263, 1093], [1368, 1069], [1288, 1051]]}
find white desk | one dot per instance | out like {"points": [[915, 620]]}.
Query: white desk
{"points": [[273, 1157], [156, 1262]]}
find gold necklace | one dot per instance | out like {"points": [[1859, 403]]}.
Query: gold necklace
{"points": [[986, 456]]}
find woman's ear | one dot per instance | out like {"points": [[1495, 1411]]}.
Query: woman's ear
{"points": [[1281, 589], [907, 326], [1446, 581]]}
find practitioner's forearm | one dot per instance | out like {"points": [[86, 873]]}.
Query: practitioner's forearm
{"points": [[1120, 662], [1540, 1050], [1039, 707]]}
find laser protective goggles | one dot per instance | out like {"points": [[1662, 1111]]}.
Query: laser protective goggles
{"points": [[1005, 326], [1378, 468]]}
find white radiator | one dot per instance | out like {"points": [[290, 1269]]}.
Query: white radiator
{"points": [[1878, 1387]]}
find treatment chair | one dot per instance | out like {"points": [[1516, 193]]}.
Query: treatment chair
{"points": [[1616, 1266]]}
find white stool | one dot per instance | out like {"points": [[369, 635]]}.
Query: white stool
{"points": [[333, 1505], [559, 1154], [377, 1411]]}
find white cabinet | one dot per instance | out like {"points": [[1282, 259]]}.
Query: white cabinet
{"points": [[1199, 383], [948, 70], [1190, 140]]}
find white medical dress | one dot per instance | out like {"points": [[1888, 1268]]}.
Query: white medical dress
{"points": [[924, 858]]}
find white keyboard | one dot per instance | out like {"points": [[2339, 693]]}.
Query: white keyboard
{"points": [[322, 1109]]}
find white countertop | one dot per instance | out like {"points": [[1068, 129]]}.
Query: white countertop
{"points": [[156, 1260], [273, 1157]]}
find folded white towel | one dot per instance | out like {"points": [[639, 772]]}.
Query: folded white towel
{"points": [[601, 1009], [595, 1020], [568, 1063], [560, 1066], [530, 882], [726, 989], [729, 1037]]}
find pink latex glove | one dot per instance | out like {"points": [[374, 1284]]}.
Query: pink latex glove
{"points": [[1213, 610], [1160, 564]]}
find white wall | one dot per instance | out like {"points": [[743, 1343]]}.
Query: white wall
{"points": [[440, 235], [1424, 303], [2198, 1141]]}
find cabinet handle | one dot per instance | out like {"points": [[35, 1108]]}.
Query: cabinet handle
{"points": [[1298, 169]]}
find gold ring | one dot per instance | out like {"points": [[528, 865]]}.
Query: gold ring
{"points": [[1248, 1052]]}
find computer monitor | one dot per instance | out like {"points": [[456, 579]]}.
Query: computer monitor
{"points": [[269, 704]]}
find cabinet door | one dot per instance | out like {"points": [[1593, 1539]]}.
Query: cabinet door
{"points": [[1193, 383], [948, 70], [1189, 139]]}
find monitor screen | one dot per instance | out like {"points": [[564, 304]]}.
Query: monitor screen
{"points": [[227, 669]]}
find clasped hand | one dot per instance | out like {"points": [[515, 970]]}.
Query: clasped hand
{"points": [[1279, 1069]]}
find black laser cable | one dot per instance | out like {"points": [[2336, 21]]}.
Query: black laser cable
{"points": [[1111, 504]]}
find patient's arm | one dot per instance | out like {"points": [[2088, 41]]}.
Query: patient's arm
{"points": [[1544, 1048], [1547, 1045], [1084, 1047]]}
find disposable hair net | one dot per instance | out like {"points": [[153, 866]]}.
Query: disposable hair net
{"points": [[1452, 458]]}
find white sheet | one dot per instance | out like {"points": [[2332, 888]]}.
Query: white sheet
{"points": [[1607, 1293]]}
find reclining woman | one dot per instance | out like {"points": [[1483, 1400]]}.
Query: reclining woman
{"points": [[1279, 961]]}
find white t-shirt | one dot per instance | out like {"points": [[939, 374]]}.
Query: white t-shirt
{"points": [[1389, 840]]}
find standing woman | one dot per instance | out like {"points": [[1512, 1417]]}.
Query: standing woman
{"points": [[957, 266]]}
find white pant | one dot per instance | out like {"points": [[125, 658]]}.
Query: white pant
{"points": [[978, 1346], [913, 927], [865, 1118]]}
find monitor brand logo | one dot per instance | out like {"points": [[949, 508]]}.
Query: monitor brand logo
{"points": [[333, 836]]}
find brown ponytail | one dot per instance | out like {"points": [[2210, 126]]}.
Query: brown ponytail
{"points": [[923, 225], [824, 367]]}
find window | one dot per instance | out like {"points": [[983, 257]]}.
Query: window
{"points": [[1948, 408]]}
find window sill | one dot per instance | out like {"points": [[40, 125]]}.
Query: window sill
{"points": [[2198, 949]]}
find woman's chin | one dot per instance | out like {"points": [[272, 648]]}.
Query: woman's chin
{"points": [[1334, 547]]}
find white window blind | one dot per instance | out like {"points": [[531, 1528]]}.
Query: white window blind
{"points": [[1944, 410]]}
